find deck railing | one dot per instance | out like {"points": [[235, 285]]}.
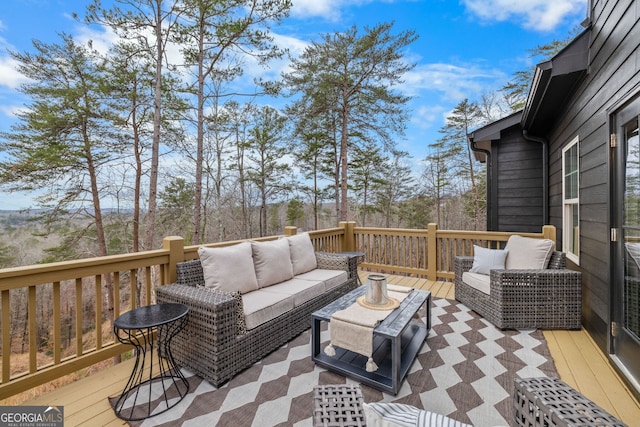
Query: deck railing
{"points": [[80, 335], [426, 253]]}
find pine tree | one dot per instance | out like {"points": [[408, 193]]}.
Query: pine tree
{"points": [[135, 20], [464, 116], [397, 186], [212, 34], [348, 77], [438, 175], [367, 175], [64, 138], [267, 147]]}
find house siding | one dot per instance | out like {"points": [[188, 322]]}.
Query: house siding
{"points": [[519, 182], [612, 76]]}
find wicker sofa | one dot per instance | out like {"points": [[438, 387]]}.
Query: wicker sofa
{"points": [[223, 336], [512, 297]]}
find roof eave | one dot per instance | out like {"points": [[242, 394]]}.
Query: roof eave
{"points": [[568, 67], [480, 139]]}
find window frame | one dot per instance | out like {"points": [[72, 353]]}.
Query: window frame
{"points": [[569, 204]]}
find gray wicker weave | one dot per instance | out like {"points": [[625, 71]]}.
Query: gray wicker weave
{"points": [[548, 402], [338, 405], [547, 299], [212, 346]]}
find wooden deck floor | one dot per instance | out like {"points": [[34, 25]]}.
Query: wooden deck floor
{"points": [[578, 360]]}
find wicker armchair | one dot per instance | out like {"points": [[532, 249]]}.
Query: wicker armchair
{"points": [[212, 345], [546, 299]]}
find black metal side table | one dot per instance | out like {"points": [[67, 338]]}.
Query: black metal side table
{"points": [[354, 260], [136, 327]]}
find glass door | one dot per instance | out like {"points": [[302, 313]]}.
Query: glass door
{"points": [[625, 327]]}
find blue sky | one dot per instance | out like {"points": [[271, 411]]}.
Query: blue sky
{"points": [[465, 47]]}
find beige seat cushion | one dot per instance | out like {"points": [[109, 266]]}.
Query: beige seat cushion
{"points": [[303, 255], [526, 253], [330, 278], [481, 282], [301, 290], [229, 269], [260, 306], [272, 262]]}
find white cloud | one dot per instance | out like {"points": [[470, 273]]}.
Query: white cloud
{"points": [[426, 116], [328, 9], [101, 40], [540, 15], [9, 75], [12, 111], [252, 69], [295, 45], [454, 82]]}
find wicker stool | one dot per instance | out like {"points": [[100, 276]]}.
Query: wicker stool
{"points": [[337, 405], [551, 402]]}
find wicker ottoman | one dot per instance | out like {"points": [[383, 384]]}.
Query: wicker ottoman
{"points": [[337, 405], [542, 402]]}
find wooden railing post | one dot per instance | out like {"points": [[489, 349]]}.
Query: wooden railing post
{"points": [[432, 252], [175, 246], [549, 232], [349, 239], [290, 230]]}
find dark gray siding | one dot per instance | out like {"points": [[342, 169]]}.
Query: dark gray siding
{"points": [[612, 76], [519, 183]]}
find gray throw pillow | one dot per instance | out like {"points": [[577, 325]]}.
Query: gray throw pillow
{"points": [[485, 260]]}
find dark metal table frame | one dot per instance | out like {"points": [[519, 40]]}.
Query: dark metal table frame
{"points": [[396, 341], [137, 327]]}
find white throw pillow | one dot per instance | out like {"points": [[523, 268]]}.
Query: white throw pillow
{"points": [[229, 268], [272, 262], [303, 254], [527, 253], [485, 260], [380, 414]]}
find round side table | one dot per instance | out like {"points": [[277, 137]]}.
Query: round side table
{"points": [[151, 390]]}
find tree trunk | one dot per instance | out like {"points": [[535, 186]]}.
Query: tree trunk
{"points": [[343, 164], [137, 152], [155, 146], [197, 205]]}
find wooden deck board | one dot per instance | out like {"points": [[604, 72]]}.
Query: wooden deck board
{"points": [[578, 360], [582, 365]]}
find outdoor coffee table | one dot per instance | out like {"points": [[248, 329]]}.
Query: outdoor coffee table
{"points": [[396, 341]]}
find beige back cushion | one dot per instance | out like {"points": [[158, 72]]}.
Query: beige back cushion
{"points": [[526, 253], [303, 255], [229, 268], [272, 261]]}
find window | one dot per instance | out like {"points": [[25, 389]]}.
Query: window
{"points": [[570, 201]]}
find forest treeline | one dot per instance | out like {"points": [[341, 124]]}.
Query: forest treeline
{"points": [[123, 147]]}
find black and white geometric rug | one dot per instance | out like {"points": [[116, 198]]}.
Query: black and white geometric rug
{"points": [[465, 370]]}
